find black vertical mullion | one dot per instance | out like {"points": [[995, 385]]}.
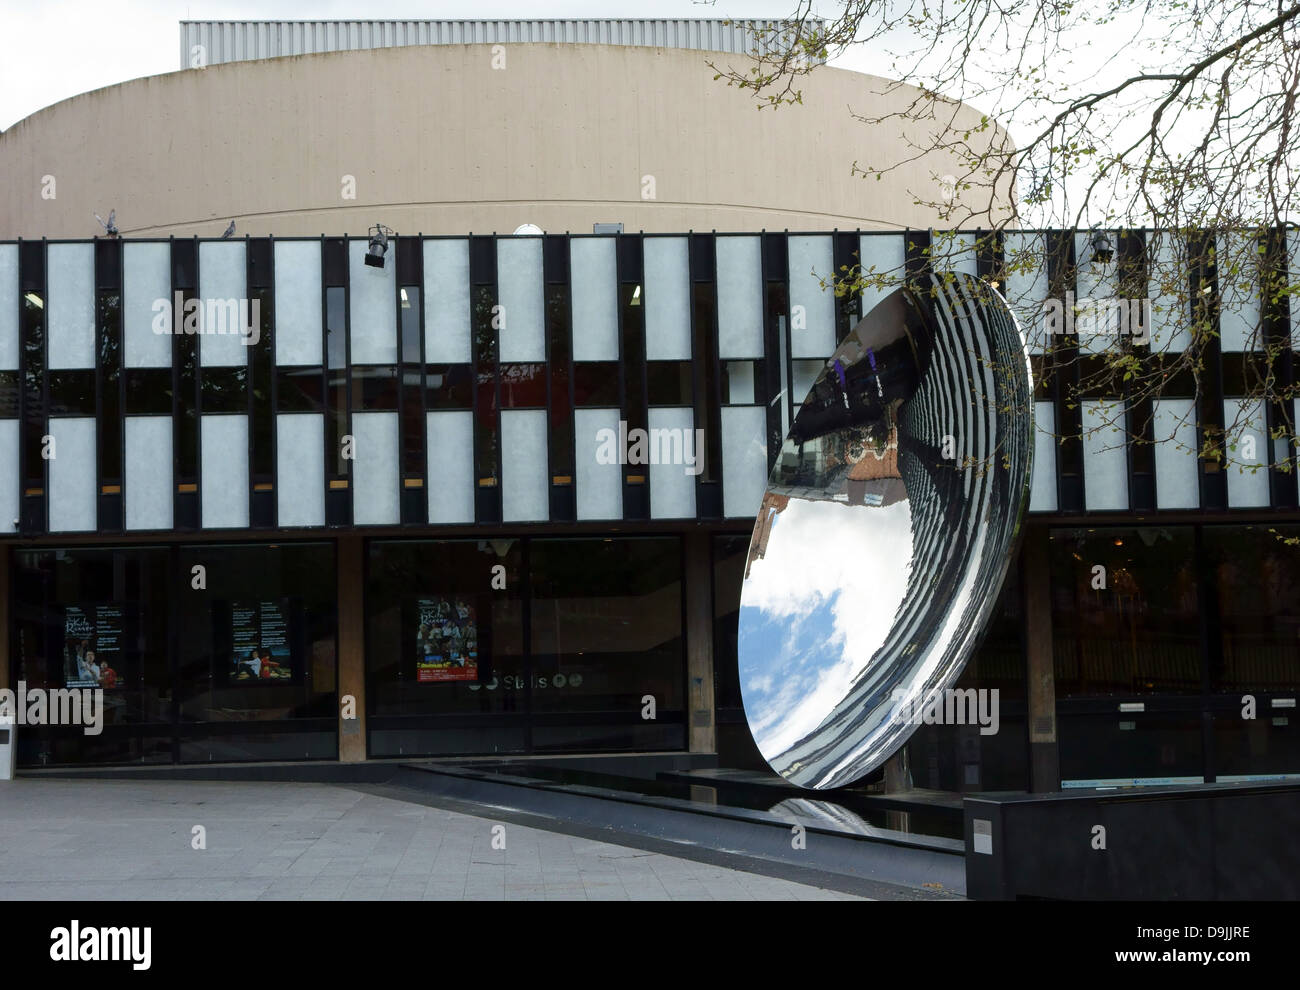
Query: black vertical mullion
{"points": [[348, 465], [1061, 276], [706, 389], [413, 502], [846, 246], [184, 280], [198, 391], [121, 378], [787, 339], [260, 287], [1210, 412], [177, 518], [273, 387], [485, 358], [21, 327], [775, 266], [497, 451], [100, 331], [21, 317], [109, 514], [250, 383], [424, 384], [633, 391], [45, 380], [327, 428], [989, 260], [573, 391], [1132, 282], [557, 302], [1277, 336], [334, 270], [32, 277]]}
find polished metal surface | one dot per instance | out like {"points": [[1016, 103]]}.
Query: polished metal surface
{"points": [[886, 530]]}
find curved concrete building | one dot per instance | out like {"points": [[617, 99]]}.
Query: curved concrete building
{"points": [[451, 138]]}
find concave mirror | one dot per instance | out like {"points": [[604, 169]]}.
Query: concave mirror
{"points": [[886, 530]]}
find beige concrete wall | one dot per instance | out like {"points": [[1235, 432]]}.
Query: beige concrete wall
{"points": [[441, 142]]}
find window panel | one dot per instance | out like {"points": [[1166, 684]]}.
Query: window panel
{"points": [[146, 279], [297, 303], [594, 267], [1125, 611], [71, 284]]}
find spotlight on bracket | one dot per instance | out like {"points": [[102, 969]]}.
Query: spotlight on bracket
{"points": [[379, 235], [1102, 251]]}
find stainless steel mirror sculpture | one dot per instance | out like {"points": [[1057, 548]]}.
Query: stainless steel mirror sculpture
{"points": [[887, 527]]}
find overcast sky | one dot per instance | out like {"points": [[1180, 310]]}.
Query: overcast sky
{"points": [[60, 48]]}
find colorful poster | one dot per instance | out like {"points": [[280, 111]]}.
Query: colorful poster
{"points": [[259, 638], [92, 646], [446, 640]]}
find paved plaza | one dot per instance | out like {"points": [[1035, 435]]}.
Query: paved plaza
{"points": [[134, 840]]}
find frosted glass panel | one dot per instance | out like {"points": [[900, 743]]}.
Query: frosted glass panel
{"points": [[519, 292], [740, 382], [525, 477], [672, 487], [375, 499], [446, 301], [1239, 299], [297, 303], [1170, 295], [1105, 456], [744, 459], [805, 376], [224, 452], [71, 305], [146, 279], [373, 309], [8, 309], [599, 486], [300, 469], [1174, 429], [1042, 489], [1096, 321], [882, 255], [223, 286], [594, 279], [148, 482], [72, 474], [740, 297], [1026, 287], [9, 484], [451, 466], [1245, 425], [954, 252], [812, 308], [667, 299]]}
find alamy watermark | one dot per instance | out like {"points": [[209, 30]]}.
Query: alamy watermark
{"points": [[181, 316], [54, 706], [1106, 315], [670, 445], [950, 706]]}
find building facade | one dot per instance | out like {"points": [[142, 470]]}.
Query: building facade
{"points": [[500, 494], [495, 494]]}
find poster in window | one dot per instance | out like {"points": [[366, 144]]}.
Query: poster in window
{"points": [[260, 644], [446, 639], [92, 646]]}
